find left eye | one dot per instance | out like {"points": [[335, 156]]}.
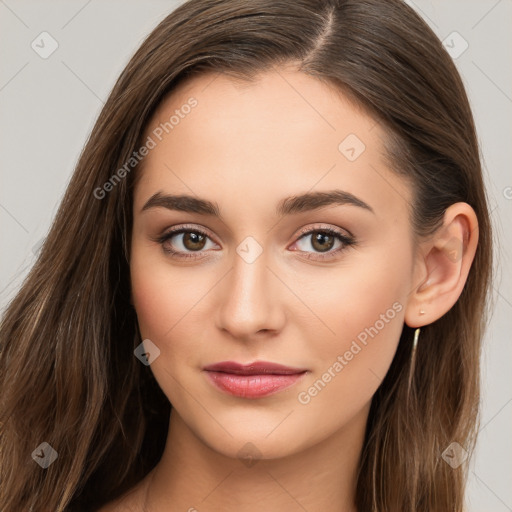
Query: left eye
{"points": [[321, 241]]}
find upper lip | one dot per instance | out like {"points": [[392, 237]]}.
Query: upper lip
{"points": [[256, 368]]}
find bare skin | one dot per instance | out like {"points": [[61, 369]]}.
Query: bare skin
{"points": [[246, 148]]}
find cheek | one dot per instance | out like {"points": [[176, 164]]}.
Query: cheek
{"points": [[364, 306], [170, 304], [164, 301], [154, 309], [351, 300], [163, 296]]}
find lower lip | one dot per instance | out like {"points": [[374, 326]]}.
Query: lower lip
{"points": [[253, 386]]}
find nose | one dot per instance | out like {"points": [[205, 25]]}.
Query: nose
{"points": [[250, 302]]}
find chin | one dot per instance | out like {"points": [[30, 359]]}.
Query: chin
{"points": [[252, 445]]}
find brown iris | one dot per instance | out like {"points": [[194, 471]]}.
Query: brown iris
{"points": [[194, 241], [322, 241]]}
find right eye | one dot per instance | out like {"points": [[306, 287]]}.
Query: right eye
{"points": [[183, 242]]}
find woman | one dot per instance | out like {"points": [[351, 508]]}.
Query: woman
{"points": [[266, 285]]}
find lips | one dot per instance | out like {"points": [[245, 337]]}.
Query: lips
{"points": [[254, 380]]}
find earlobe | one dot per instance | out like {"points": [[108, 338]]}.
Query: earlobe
{"points": [[444, 261]]}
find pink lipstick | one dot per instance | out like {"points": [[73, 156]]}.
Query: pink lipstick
{"points": [[254, 380]]}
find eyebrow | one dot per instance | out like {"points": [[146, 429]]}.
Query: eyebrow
{"points": [[288, 206]]}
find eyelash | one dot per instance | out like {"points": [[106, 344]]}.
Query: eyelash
{"points": [[347, 242]]}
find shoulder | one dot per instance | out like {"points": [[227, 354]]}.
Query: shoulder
{"points": [[119, 505], [131, 501]]}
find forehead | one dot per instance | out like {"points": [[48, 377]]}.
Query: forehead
{"points": [[282, 134]]}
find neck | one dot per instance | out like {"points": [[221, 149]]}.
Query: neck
{"points": [[193, 477]]}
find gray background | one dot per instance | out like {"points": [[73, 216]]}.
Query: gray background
{"points": [[48, 107]]}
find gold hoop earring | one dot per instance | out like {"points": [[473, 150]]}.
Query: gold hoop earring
{"points": [[413, 356]]}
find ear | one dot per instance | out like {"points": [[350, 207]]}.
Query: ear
{"points": [[442, 266]]}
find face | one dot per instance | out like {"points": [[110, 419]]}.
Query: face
{"points": [[318, 283]]}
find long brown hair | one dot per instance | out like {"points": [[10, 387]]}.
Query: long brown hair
{"points": [[68, 375]]}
